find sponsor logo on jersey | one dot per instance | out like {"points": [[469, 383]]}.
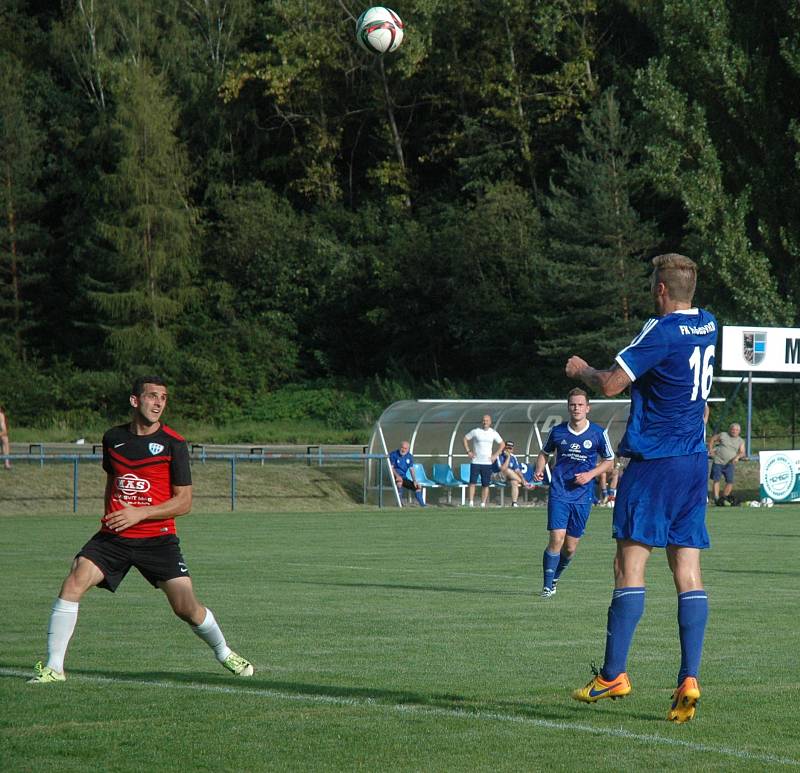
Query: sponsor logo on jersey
{"points": [[131, 484], [155, 448]]}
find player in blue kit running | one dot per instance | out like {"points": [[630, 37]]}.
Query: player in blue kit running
{"points": [[577, 444], [669, 367]]}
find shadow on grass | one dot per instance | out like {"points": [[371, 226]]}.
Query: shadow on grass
{"points": [[758, 572], [447, 703], [399, 586], [548, 710]]}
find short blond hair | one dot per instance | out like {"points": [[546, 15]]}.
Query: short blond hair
{"points": [[678, 273], [576, 392]]}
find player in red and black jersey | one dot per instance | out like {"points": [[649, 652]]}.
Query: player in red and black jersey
{"points": [[148, 484]]}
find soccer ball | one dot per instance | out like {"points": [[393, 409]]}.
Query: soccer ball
{"points": [[379, 30], [767, 502]]}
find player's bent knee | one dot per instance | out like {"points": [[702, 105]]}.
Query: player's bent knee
{"points": [[188, 610], [83, 575]]}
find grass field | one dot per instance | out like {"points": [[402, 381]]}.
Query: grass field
{"points": [[388, 640]]}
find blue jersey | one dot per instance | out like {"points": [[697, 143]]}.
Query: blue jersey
{"points": [[401, 463], [671, 365], [575, 452], [514, 464]]}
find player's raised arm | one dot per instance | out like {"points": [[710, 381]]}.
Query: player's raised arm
{"points": [[608, 382]]}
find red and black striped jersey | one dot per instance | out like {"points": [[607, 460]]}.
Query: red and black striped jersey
{"points": [[144, 468]]}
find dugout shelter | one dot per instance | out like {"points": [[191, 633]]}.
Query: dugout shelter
{"points": [[435, 430]]}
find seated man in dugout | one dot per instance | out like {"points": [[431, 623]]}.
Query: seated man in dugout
{"points": [[508, 469]]}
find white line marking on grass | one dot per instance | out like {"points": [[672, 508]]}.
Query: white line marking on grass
{"points": [[416, 709]]}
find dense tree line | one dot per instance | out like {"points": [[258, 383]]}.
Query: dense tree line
{"points": [[233, 193]]}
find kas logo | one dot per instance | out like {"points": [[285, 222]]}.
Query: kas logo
{"points": [[155, 448], [130, 484], [754, 347], [587, 444]]}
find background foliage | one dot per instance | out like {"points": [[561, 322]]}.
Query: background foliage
{"points": [[232, 193]]}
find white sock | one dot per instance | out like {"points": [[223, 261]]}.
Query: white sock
{"points": [[63, 617], [210, 632]]}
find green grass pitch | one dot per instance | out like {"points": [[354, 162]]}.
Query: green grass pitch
{"points": [[394, 640]]}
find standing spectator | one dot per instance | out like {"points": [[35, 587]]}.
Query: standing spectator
{"points": [[482, 457], [402, 464], [726, 449], [662, 497], [509, 469], [583, 451], [148, 485], [4, 444]]}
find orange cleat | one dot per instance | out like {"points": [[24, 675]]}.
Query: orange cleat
{"points": [[599, 688], [684, 701]]}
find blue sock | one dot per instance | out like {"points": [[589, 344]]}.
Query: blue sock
{"points": [[692, 616], [418, 495], [627, 606], [549, 564], [563, 563]]}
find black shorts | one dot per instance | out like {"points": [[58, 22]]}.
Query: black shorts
{"points": [[482, 471], [157, 558]]}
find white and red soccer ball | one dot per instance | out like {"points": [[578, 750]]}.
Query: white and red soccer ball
{"points": [[379, 30]]}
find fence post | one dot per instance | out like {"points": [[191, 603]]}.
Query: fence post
{"points": [[233, 483], [75, 484], [365, 493]]}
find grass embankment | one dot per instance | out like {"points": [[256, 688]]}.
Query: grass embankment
{"points": [[29, 488], [241, 431]]}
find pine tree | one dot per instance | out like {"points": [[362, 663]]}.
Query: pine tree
{"points": [[149, 224], [20, 165], [596, 272]]}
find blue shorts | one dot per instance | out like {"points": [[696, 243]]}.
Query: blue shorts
{"points": [[567, 515], [662, 502], [484, 471], [722, 471]]}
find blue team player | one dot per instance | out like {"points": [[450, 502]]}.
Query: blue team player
{"points": [[577, 444], [661, 500], [402, 463]]}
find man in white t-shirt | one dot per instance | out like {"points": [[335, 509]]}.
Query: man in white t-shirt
{"points": [[482, 457]]}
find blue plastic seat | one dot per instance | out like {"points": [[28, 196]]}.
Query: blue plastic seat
{"points": [[421, 476], [443, 474]]}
